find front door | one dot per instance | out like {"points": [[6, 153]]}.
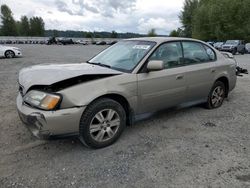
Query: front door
{"points": [[164, 88]]}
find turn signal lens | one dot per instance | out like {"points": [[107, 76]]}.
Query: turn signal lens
{"points": [[50, 102]]}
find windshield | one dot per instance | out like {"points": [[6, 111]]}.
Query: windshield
{"points": [[234, 42], [124, 55]]}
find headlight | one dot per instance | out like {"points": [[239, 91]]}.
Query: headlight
{"points": [[42, 100]]}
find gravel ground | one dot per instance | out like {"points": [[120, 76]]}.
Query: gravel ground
{"points": [[188, 147]]}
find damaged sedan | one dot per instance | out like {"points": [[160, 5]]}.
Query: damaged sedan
{"points": [[97, 99]]}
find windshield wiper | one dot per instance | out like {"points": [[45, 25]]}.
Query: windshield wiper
{"points": [[99, 64]]}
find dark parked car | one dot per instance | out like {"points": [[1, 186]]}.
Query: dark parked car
{"points": [[65, 41], [234, 46], [111, 42], [101, 43], [8, 42], [52, 40]]}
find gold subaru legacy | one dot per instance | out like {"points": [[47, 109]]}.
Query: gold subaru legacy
{"points": [[97, 99]]}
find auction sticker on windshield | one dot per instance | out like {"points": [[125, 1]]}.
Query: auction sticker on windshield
{"points": [[142, 47]]}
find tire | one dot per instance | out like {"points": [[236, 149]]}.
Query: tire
{"points": [[243, 52], [96, 129], [216, 95], [9, 54], [234, 51]]}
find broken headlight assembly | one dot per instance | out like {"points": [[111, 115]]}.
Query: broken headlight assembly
{"points": [[42, 100]]}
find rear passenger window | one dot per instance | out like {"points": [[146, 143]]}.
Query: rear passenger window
{"points": [[210, 53], [195, 52]]}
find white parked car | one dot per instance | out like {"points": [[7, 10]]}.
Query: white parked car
{"points": [[10, 52], [248, 48]]}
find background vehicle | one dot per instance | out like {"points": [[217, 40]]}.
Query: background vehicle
{"points": [[234, 46], [10, 52], [111, 42], [81, 42], [96, 99], [101, 43], [51, 40], [211, 43], [65, 41], [218, 45], [248, 47]]}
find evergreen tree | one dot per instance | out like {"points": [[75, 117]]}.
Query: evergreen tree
{"points": [[113, 34], [176, 33], [216, 20], [36, 26], [187, 15], [8, 27], [24, 26], [152, 33]]}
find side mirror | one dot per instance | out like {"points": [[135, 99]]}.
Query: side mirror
{"points": [[155, 65]]}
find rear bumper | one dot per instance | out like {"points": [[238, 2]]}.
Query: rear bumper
{"points": [[44, 124]]}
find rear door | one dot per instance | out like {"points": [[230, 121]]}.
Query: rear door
{"points": [[164, 88], [200, 69]]}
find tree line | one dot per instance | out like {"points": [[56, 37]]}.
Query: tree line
{"points": [[215, 20], [88, 34], [35, 27], [25, 27]]}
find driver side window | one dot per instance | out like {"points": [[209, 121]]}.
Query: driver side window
{"points": [[170, 53]]}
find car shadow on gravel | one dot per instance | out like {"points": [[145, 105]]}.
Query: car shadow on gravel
{"points": [[169, 112], [140, 120], [65, 143]]}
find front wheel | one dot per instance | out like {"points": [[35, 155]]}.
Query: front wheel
{"points": [[216, 95], [102, 123], [9, 54]]}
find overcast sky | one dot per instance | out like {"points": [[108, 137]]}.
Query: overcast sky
{"points": [[102, 15]]}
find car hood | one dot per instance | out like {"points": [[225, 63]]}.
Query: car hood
{"points": [[49, 74]]}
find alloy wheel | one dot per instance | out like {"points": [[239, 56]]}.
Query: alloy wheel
{"points": [[217, 96], [104, 125], [9, 54]]}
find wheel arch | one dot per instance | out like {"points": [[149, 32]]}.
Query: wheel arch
{"points": [[123, 102], [9, 50], [225, 81]]}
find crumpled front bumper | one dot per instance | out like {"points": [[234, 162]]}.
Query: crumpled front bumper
{"points": [[44, 124]]}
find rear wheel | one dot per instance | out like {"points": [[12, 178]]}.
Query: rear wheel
{"points": [[102, 123], [216, 95], [9, 54]]}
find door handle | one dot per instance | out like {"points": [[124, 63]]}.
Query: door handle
{"points": [[213, 70], [179, 77]]}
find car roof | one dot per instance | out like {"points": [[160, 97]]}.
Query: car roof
{"points": [[163, 39]]}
